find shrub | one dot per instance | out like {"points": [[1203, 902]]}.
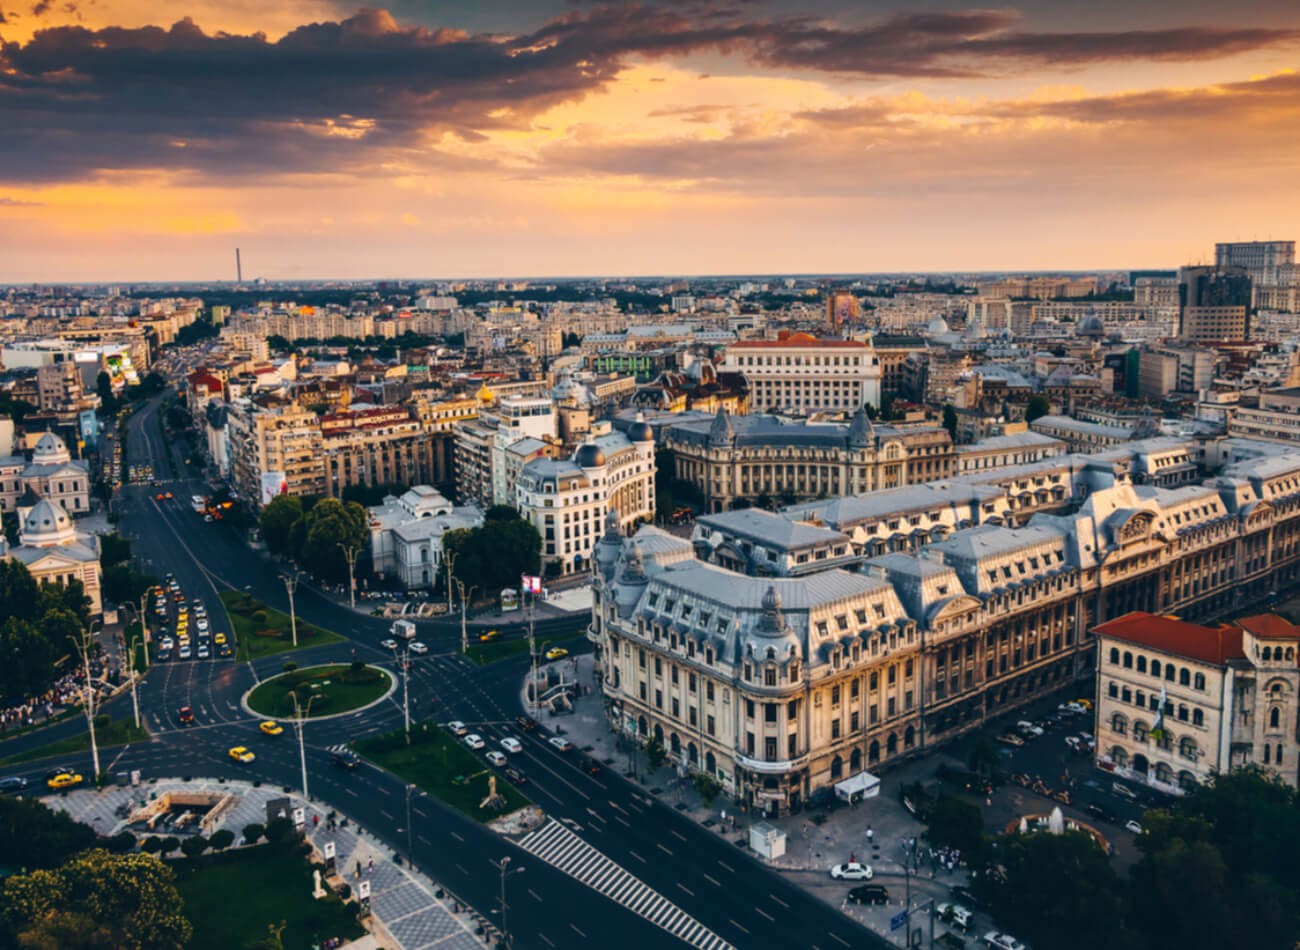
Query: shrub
{"points": [[121, 843], [221, 840], [345, 892], [254, 832], [151, 844], [260, 616], [194, 846], [278, 829], [170, 844]]}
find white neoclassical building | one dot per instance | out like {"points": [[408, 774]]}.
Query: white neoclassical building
{"points": [[54, 550], [406, 534], [52, 473]]}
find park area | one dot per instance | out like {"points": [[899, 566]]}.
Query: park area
{"points": [[494, 650], [264, 631], [319, 691], [232, 898], [440, 765]]}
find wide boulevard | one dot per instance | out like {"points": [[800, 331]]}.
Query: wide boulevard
{"points": [[702, 872]]}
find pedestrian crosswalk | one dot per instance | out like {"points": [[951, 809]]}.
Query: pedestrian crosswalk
{"points": [[560, 847]]}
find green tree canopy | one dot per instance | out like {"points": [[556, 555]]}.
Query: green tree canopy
{"points": [[956, 823], [33, 835], [26, 659], [130, 901], [1039, 406], [18, 591], [493, 556], [278, 520], [329, 524]]}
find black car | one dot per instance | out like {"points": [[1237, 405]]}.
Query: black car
{"points": [[869, 894], [12, 783], [526, 723], [516, 775], [963, 895], [345, 758]]}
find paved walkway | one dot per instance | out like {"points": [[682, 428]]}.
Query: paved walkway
{"points": [[407, 915]]}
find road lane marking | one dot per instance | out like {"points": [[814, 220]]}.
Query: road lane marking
{"points": [[685, 888], [728, 867], [663, 849], [677, 834], [542, 936], [458, 837], [575, 929], [637, 856], [740, 927], [535, 896], [765, 914], [839, 939], [712, 881], [779, 901]]}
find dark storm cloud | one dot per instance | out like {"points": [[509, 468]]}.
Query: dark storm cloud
{"points": [[326, 96]]}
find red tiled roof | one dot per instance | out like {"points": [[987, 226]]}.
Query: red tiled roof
{"points": [[201, 378], [1214, 645], [1269, 627], [797, 339]]}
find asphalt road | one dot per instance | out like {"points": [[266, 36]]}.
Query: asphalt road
{"points": [[702, 872]]}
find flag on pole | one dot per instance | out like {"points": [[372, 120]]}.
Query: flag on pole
{"points": [[1158, 730]]}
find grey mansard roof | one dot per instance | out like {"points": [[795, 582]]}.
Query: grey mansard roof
{"points": [[754, 524], [761, 430]]}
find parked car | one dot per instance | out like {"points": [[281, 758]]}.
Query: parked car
{"points": [[561, 743], [1123, 791], [851, 871], [1010, 738], [1001, 941], [869, 894], [1029, 729], [1075, 708], [955, 915], [1134, 826]]}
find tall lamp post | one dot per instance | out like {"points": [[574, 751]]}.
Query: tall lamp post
{"points": [[350, 553], [464, 607], [403, 659], [291, 585], [84, 645], [299, 722], [910, 856], [504, 867]]}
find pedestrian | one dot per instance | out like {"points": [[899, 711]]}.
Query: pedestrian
{"points": [[357, 872], [370, 866], [315, 821], [871, 834]]}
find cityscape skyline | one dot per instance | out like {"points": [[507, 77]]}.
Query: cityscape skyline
{"points": [[576, 139]]}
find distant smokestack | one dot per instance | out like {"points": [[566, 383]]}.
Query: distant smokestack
{"points": [[239, 268]]}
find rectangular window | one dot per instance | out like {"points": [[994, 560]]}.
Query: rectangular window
{"points": [[835, 695], [709, 725], [769, 712], [708, 690], [792, 746], [873, 714], [749, 744], [749, 708], [659, 699], [890, 706], [677, 708], [835, 728], [769, 748]]}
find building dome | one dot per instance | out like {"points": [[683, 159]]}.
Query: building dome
{"points": [[1090, 325], [937, 327], [640, 430], [975, 330], [484, 394], [49, 449], [590, 456], [46, 523]]}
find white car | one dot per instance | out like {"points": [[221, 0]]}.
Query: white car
{"points": [[956, 915], [389, 644], [1001, 941], [512, 745], [497, 758], [1027, 728], [853, 871], [418, 648], [201, 625], [1133, 826], [561, 743], [457, 727], [474, 741], [1070, 707]]}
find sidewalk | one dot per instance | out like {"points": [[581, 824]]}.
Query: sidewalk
{"points": [[816, 839], [406, 912]]}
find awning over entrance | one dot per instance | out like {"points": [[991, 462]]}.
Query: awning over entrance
{"points": [[862, 785]]}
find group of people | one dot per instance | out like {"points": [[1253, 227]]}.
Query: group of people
{"points": [[947, 858], [331, 943], [66, 691]]}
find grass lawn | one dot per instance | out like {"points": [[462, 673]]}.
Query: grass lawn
{"points": [[484, 653], [338, 688], [117, 732], [230, 898], [264, 631], [437, 762]]}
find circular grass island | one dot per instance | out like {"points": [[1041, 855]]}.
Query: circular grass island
{"points": [[320, 691]]}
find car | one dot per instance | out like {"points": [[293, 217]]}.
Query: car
{"points": [[201, 625], [1010, 738], [1001, 941], [964, 896], [63, 778], [219, 638], [556, 653], [561, 743], [869, 894], [474, 741], [12, 783], [1085, 703], [512, 745], [225, 650], [489, 636], [345, 758], [389, 644], [203, 652], [209, 519], [185, 716], [852, 871], [1134, 826], [159, 497], [271, 728], [1074, 708], [592, 767], [418, 648], [1098, 811], [1029, 729], [1123, 791], [162, 656], [497, 758], [516, 775], [167, 643], [526, 723], [184, 652], [956, 915], [168, 495], [457, 728], [242, 755]]}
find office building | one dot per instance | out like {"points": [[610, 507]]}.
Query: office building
{"points": [[1266, 262], [799, 373], [1214, 304]]}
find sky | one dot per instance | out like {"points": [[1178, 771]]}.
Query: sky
{"points": [[144, 140]]}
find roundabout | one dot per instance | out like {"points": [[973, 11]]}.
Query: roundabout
{"points": [[320, 692]]}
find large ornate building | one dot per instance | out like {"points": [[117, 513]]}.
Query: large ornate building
{"points": [[799, 373], [52, 473], [746, 456], [55, 551], [782, 686]]}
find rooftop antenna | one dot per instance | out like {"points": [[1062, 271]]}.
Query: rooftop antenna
{"points": [[239, 268]]}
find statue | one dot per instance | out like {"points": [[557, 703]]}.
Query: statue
{"points": [[493, 800], [318, 892]]}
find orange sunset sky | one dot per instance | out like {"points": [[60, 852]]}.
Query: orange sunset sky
{"points": [[146, 140]]}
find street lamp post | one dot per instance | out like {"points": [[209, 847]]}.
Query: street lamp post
{"points": [[410, 851], [84, 646], [403, 660], [291, 585], [350, 553], [300, 721], [464, 608], [910, 857], [504, 867]]}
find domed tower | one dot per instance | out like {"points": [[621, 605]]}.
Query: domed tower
{"points": [[46, 525], [640, 430], [589, 455], [50, 450], [605, 554], [721, 433], [773, 622], [862, 434]]}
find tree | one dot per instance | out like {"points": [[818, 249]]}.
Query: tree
{"points": [[707, 786], [950, 421], [18, 591], [104, 389], [194, 846], [278, 829], [98, 900], [278, 520], [494, 555], [122, 843], [764, 501], [655, 753], [253, 832], [32, 835], [113, 549], [984, 756], [955, 823], [26, 660], [222, 839], [1038, 407], [329, 524]]}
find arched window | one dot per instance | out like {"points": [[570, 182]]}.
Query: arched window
{"points": [[1268, 654], [1114, 655], [710, 763], [1187, 748], [1186, 779], [1182, 713], [1142, 664], [1198, 681], [837, 768], [1268, 749], [1290, 653], [855, 762], [1139, 731], [1155, 667], [1164, 772], [1119, 724], [873, 751], [909, 737], [1274, 718], [1184, 677], [1119, 755], [1128, 660], [1170, 672], [891, 744]]}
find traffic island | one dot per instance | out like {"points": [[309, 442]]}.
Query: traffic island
{"points": [[264, 631], [316, 692], [490, 651], [439, 763]]}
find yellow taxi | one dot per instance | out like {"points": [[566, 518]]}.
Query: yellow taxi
{"points": [[63, 778], [219, 638], [489, 636], [241, 755], [556, 653], [271, 728]]}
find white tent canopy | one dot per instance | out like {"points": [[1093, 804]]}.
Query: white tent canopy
{"points": [[862, 785]]}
